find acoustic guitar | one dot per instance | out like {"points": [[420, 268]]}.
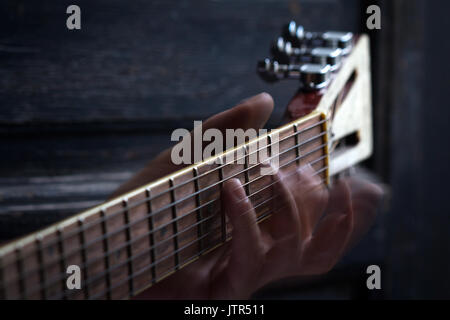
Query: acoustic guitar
{"points": [[131, 242]]}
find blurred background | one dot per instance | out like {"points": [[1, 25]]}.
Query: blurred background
{"points": [[81, 111]]}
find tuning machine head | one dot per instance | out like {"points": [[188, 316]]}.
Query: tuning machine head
{"points": [[335, 39], [330, 56], [294, 33], [298, 37], [307, 56], [315, 76], [281, 50], [268, 70], [311, 76]]}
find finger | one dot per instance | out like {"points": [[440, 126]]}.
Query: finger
{"points": [[311, 197], [322, 251], [251, 113], [366, 198], [285, 222], [247, 251]]}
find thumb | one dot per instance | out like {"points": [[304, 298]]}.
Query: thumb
{"points": [[250, 113]]}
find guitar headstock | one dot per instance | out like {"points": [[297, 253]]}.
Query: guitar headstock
{"points": [[333, 71]]}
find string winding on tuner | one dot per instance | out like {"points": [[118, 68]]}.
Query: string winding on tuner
{"points": [[298, 38], [307, 56], [312, 76], [283, 52]]}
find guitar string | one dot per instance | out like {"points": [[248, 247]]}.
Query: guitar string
{"points": [[194, 211], [170, 205], [225, 164], [173, 253], [89, 262], [195, 178], [166, 191], [145, 235], [138, 255], [148, 267], [96, 222], [186, 261], [50, 243]]}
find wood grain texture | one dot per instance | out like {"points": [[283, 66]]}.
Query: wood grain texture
{"points": [[149, 60]]}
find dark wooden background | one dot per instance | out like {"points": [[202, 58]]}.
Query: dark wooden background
{"points": [[81, 111]]}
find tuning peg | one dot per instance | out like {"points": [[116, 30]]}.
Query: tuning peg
{"points": [[284, 53], [294, 33], [330, 56], [266, 71], [311, 76], [335, 39], [272, 70], [314, 76], [281, 50]]}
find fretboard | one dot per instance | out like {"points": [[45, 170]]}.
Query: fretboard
{"points": [[125, 245]]}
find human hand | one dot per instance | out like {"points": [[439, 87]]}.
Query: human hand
{"points": [[307, 234]]}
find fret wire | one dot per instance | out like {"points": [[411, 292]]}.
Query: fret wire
{"points": [[137, 256], [260, 177], [319, 123], [236, 174], [170, 270], [269, 145], [294, 159], [83, 226], [246, 169], [174, 268], [175, 223], [83, 256], [93, 223], [151, 233], [195, 256], [219, 182], [105, 250], [297, 150], [314, 150], [40, 256], [137, 239], [269, 140], [198, 210], [128, 240], [21, 272], [62, 259], [230, 177], [171, 255], [203, 236], [222, 215]]}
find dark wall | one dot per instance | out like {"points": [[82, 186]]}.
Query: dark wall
{"points": [[419, 223], [144, 60]]}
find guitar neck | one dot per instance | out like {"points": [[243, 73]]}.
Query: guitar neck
{"points": [[125, 245]]}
